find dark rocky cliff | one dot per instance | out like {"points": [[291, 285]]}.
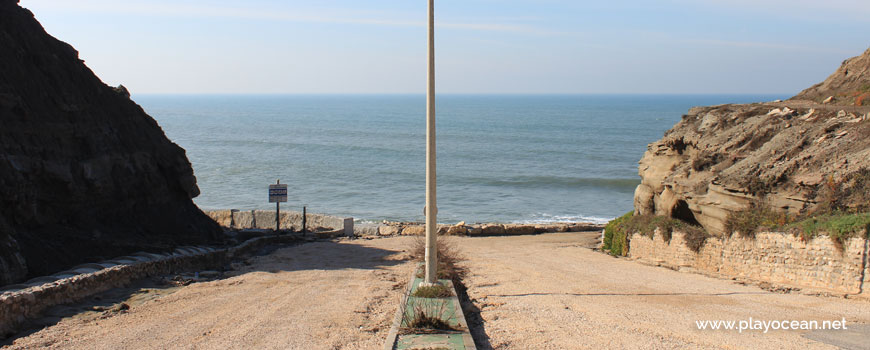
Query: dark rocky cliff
{"points": [[85, 174], [789, 154]]}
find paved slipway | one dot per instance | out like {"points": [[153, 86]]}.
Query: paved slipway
{"points": [[534, 292]]}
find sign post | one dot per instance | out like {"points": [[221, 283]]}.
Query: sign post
{"points": [[277, 194]]}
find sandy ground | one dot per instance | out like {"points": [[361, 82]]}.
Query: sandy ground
{"points": [[320, 295], [533, 292], [549, 292]]}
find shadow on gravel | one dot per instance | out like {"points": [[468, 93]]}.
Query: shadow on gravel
{"points": [[472, 315], [316, 255], [102, 305]]}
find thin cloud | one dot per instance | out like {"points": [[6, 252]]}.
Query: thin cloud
{"points": [[180, 10], [857, 10]]}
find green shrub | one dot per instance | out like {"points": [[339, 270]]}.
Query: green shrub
{"points": [[618, 232], [758, 216], [614, 235], [839, 226]]}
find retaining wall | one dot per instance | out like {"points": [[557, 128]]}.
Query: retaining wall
{"points": [[773, 257], [20, 302], [265, 219]]}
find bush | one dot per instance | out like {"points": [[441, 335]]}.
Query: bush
{"points": [[695, 237], [617, 233], [839, 226], [758, 216], [614, 235], [851, 194], [426, 316], [448, 258]]}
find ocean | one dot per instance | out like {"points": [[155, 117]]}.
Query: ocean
{"points": [[501, 158]]}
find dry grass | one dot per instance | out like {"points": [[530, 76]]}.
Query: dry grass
{"points": [[757, 217], [448, 257], [427, 316], [436, 291], [852, 194]]}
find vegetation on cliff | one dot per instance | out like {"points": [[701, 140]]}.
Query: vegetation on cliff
{"points": [[617, 233], [740, 167]]}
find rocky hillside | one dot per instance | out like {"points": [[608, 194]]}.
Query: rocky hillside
{"points": [[850, 84], [85, 174], [795, 156]]}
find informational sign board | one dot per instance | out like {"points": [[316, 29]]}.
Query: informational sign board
{"points": [[277, 193]]}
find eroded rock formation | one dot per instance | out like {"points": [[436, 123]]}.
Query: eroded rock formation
{"points": [[721, 159], [85, 174]]}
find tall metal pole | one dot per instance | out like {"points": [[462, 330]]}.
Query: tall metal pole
{"points": [[431, 206]]}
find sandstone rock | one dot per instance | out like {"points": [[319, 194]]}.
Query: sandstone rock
{"points": [[388, 230], [718, 160], [77, 156], [545, 228], [414, 230], [852, 76], [519, 229], [442, 229], [457, 230], [492, 230], [475, 230]]}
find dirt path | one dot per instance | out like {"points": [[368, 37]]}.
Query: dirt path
{"points": [[320, 295], [535, 292], [549, 292]]}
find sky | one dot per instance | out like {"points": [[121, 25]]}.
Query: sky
{"points": [[482, 46]]}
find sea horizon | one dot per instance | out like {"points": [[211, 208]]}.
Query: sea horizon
{"points": [[511, 158]]}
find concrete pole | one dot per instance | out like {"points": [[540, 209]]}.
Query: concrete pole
{"points": [[431, 202]]}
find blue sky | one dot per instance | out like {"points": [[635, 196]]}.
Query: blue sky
{"points": [[483, 46]]}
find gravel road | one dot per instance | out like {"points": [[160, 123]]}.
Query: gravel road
{"points": [[322, 295], [533, 292], [549, 292]]}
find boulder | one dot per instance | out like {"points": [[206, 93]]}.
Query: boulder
{"points": [[475, 230], [414, 230], [457, 230], [516, 230], [492, 230], [388, 230]]}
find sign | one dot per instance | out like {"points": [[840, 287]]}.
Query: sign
{"points": [[277, 193]]}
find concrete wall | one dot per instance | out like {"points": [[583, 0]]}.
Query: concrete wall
{"points": [[772, 257], [265, 219]]}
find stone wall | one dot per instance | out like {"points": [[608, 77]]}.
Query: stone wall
{"points": [[474, 230], [21, 302], [772, 257], [865, 286], [265, 219]]}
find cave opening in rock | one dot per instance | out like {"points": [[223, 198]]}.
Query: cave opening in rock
{"points": [[681, 211]]}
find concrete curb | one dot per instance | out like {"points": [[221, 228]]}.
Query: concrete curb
{"points": [[390, 343], [393, 336]]}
